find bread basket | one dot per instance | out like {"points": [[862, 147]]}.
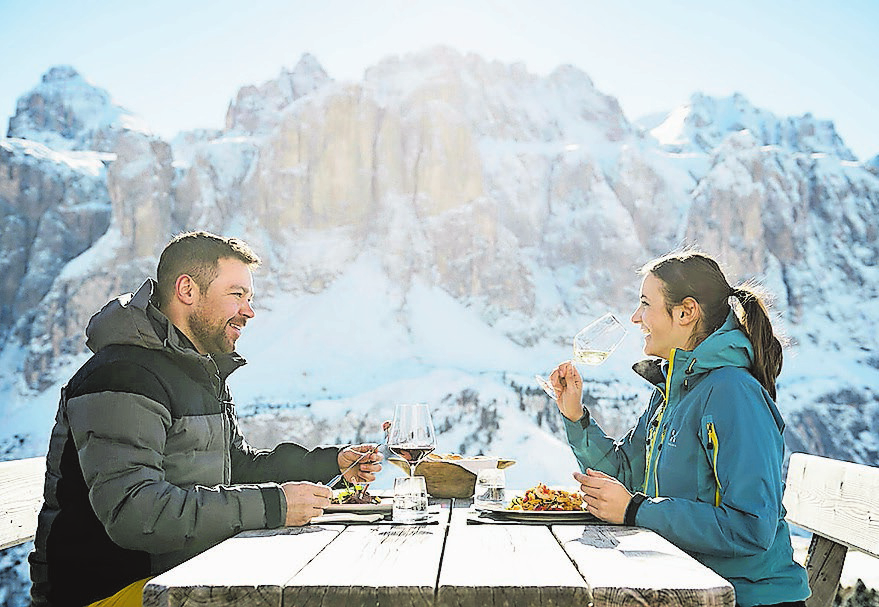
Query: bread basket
{"points": [[444, 477]]}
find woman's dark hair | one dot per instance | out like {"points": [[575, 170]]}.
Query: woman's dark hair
{"points": [[198, 254], [694, 274]]}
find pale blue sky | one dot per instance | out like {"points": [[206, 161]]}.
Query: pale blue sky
{"points": [[178, 63]]}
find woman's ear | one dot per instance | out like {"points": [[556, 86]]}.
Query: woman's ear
{"points": [[687, 312]]}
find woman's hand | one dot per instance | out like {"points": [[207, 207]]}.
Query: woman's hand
{"points": [[568, 387], [606, 497]]}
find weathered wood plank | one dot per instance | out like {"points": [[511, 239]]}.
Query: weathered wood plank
{"points": [[834, 499], [373, 565], [630, 566], [500, 565], [824, 566], [21, 497], [248, 569]]}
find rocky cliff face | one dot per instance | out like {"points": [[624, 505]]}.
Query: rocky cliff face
{"points": [[527, 200], [55, 206]]}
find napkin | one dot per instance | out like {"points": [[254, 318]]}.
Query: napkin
{"points": [[474, 465], [347, 517]]}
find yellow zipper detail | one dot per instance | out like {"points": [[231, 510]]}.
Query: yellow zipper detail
{"points": [[651, 435], [671, 366], [656, 465], [714, 446]]}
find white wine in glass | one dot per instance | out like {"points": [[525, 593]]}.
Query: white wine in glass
{"points": [[592, 346]]}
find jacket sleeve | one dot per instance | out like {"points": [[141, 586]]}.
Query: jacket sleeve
{"points": [[623, 459], [286, 462], [749, 467], [120, 440]]}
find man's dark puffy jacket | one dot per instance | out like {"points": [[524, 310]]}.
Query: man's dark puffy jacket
{"points": [[146, 464]]}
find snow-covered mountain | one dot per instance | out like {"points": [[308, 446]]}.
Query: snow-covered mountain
{"points": [[66, 112], [437, 232], [703, 123]]}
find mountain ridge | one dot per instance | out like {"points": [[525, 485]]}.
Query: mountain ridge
{"points": [[525, 200]]}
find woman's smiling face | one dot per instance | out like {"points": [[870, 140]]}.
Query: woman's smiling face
{"points": [[661, 332]]}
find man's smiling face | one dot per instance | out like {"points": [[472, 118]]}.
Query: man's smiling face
{"points": [[223, 309]]}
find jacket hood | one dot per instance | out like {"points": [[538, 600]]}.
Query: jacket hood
{"points": [[133, 319], [127, 320], [726, 347]]}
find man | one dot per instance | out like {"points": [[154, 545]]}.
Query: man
{"points": [[146, 464]]}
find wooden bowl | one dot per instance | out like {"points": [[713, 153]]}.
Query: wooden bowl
{"points": [[444, 478]]}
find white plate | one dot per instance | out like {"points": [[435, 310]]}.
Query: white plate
{"points": [[538, 515]]}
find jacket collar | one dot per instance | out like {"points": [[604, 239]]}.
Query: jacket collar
{"points": [[134, 319], [728, 346]]}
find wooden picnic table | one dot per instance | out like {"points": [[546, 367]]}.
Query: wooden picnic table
{"points": [[449, 563]]}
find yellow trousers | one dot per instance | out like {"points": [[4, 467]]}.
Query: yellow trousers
{"points": [[130, 596]]}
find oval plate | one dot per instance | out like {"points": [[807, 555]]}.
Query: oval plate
{"points": [[538, 515]]}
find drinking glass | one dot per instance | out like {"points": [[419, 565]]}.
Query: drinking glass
{"points": [[490, 484], [592, 345], [410, 500], [412, 436]]}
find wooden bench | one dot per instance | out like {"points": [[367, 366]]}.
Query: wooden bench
{"points": [[839, 503], [21, 496]]}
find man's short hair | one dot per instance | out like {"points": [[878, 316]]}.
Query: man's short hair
{"points": [[198, 254]]}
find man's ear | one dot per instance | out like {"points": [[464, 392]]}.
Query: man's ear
{"points": [[185, 289], [687, 312]]}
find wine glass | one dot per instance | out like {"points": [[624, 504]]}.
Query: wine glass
{"points": [[592, 346], [412, 436]]}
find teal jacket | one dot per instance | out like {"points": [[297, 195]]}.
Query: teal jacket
{"points": [[708, 452]]}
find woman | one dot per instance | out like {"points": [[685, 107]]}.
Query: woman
{"points": [[703, 465]]}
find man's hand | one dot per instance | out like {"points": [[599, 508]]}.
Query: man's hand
{"points": [[305, 501], [365, 471], [568, 387], [606, 497]]}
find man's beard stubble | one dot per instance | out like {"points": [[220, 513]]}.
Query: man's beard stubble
{"points": [[211, 334]]}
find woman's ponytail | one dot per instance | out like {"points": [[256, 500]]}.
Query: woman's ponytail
{"points": [[758, 328]]}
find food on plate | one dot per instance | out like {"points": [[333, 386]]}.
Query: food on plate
{"points": [[355, 494], [542, 497], [453, 456], [444, 456]]}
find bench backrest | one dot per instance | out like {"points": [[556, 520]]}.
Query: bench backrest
{"points": [[839, 503], [21, 496]]}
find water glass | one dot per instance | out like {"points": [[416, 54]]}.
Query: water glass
{"points": [[410, 500], [490, 483]]}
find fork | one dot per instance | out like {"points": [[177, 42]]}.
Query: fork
{"points": [[386, 426], [335, 480]]}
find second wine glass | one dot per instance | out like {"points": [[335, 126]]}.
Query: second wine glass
{"points": [[412, 436]]}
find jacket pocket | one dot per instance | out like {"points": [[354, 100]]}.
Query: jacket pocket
{"points": [[712, 450]]}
